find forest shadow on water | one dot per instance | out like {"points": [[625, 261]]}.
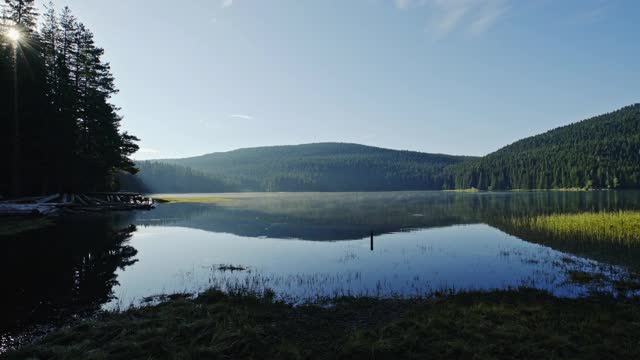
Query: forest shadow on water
{"points": [[306, 246], [350, 216], [61, 272]]}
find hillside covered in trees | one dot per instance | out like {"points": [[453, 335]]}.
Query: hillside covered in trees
{"points": [[158, 177], [59, 130], [601, 152], [311, 167], [598, 153]]}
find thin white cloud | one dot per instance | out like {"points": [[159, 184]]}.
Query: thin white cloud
{"points": [[241, 116], [450, 18], [406, 4], [487, 18], [148, 151], [588, 16], [227, 3], [446, 16], [403, 4]]}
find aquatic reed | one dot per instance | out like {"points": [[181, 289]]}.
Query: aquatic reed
{"points": [[621, 227]]}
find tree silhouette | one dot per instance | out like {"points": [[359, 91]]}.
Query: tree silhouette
{"points": [[70, 138]]}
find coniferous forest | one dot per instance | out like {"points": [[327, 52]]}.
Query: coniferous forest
{"points": [[59, 132], [602, 152], [309, 167]]}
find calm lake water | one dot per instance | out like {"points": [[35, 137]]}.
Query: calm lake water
{"points": [[303, 246]]}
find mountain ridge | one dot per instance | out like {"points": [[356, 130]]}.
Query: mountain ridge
{"points": [[266, 147], [598, 152], [313, 167]]}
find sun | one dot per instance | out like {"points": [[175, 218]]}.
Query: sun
{"points": [[13, 34]]}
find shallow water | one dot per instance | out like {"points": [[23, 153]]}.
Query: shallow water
{"points": [[303, 246], [412, 263]]}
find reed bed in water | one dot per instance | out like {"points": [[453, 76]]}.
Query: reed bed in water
{"points": [[620, 227]]}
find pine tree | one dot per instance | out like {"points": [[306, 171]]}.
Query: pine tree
{"points": [[23, 13], [71, 139], [49, 37]]}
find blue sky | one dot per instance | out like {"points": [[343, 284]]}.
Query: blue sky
{"points": [[445, 76]]}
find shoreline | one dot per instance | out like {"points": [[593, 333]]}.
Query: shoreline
{"points": [[498, 324], [226, 196]]}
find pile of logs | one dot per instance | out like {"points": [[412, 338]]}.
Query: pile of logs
{"points": [[87, 202]]}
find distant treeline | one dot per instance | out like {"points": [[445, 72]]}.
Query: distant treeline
{"points": [[312, 167], [156, 177], [66, 133], [599, 153]]}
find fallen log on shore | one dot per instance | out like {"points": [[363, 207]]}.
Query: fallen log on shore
{"points": [[85, 202]]}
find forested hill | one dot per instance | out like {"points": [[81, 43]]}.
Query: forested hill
{"points": [[310, 167], [601, 152], [598, 153]]}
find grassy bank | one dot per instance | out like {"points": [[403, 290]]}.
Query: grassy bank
{"points": [[621, 227], [523, 324], [557, 190], [190, 199], [473, 190]]}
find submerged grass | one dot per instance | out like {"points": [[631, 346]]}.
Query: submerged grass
{"points": [[620, 227], [522, 324], [584, 277]]}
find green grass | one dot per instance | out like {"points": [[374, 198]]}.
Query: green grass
{"points": [[576, 189], [10, 226], [518, 324], [473, 190], [620, 227], [200, 199]]}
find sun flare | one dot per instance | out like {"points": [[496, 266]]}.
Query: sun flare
{"points": [[13, 35]]}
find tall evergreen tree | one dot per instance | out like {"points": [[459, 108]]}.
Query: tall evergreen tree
{"points": [[23, 13], [71, 139]]}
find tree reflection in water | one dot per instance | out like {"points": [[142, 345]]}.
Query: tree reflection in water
{"points": [[69, 269]]}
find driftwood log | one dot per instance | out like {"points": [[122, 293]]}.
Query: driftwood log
{"points": [[86, 202]]}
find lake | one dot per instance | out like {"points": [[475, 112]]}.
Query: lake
{"points": [[304, 246]]}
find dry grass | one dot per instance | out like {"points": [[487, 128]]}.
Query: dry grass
{"points": [[201, 199]]}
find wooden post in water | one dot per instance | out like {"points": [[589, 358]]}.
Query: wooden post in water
{"points": [[372, 241]]}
